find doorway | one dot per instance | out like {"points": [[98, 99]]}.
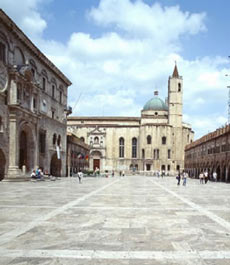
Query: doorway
{"points": [[55, 166], [2, 165], [96, 164], [23, 150]]}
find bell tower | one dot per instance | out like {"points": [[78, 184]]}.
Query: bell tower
{"points": [[175, 98]]}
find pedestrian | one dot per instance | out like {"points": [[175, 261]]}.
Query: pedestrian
{"points": [[206, 177], [112, 173], [120, 173], [80, 175], [201, 177], [33, 174], [178, 177], [185, 175], [123, 173], [214, 175]]}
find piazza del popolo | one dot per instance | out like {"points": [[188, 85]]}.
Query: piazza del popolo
{"points": [[153, 142]]}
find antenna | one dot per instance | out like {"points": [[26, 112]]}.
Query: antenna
{"points": [[228, 99], [77, 101], [228, 102]]}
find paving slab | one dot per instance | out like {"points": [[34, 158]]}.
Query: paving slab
{"points": [[131, 220]]}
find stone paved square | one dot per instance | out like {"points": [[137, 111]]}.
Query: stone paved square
{"points": [[131, 220]]}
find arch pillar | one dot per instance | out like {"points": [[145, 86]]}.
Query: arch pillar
{"points": [[13, 170]]}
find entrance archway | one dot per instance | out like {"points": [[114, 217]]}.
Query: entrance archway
{"points": [[26, 146], [96, 157], [23, 150], [2, 165], [55, 166]]}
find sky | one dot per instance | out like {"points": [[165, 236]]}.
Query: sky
{"points": [[117, 52]]}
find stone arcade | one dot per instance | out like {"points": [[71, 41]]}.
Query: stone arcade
{"points": [[33, 107]]}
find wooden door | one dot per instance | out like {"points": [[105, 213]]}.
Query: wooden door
{"points": [[96, 164]]}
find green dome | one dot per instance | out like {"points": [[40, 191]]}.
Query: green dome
{"points": [[155, 104]]}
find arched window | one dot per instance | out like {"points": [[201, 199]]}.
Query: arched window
{"points": [[54, 138], [179, 87], [59, 140], [82, 139], [163, 140], [96, 140], [134, 147], [149, 139], [121, 147]]}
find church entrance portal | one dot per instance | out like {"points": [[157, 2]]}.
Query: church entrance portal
{"points": [[55, 166], [2, 165], [96, 164]]}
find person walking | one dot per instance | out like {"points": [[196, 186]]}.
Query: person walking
{"points": [[214, 176], [206, 177], [178, 177], [185, 175], [201, 177], [80, 175]]}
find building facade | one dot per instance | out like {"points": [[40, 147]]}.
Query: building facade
{"points": [[33, 107], [211, 153], [77, 155], [153, 142]]}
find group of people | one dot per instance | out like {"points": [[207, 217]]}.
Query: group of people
{"points": [[37, 174], [183, 176], [204, 177]]}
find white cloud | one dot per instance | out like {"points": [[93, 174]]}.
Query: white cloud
{"points": [[137, 18], [26, 15], [117, 72]]}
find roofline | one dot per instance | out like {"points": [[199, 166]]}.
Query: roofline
{"points": [[105, 118], [17, 31]]}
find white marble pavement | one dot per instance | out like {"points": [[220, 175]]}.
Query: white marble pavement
{"points": [[132, 220]]}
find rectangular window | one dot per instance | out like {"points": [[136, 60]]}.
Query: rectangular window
{"points": [[143, 153], [2, 52], [60, 97], [1, 125], [169, 154], [53, 114], [148, 167], [34, 103], [42, 142], [53, 91], [121, 151], [156, 154], [19, 92], [43, 84]]}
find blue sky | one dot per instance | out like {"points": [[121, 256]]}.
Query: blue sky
{"points": [[117, 52]]}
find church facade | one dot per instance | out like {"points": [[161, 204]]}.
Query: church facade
{"points": [[153, 142]]}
